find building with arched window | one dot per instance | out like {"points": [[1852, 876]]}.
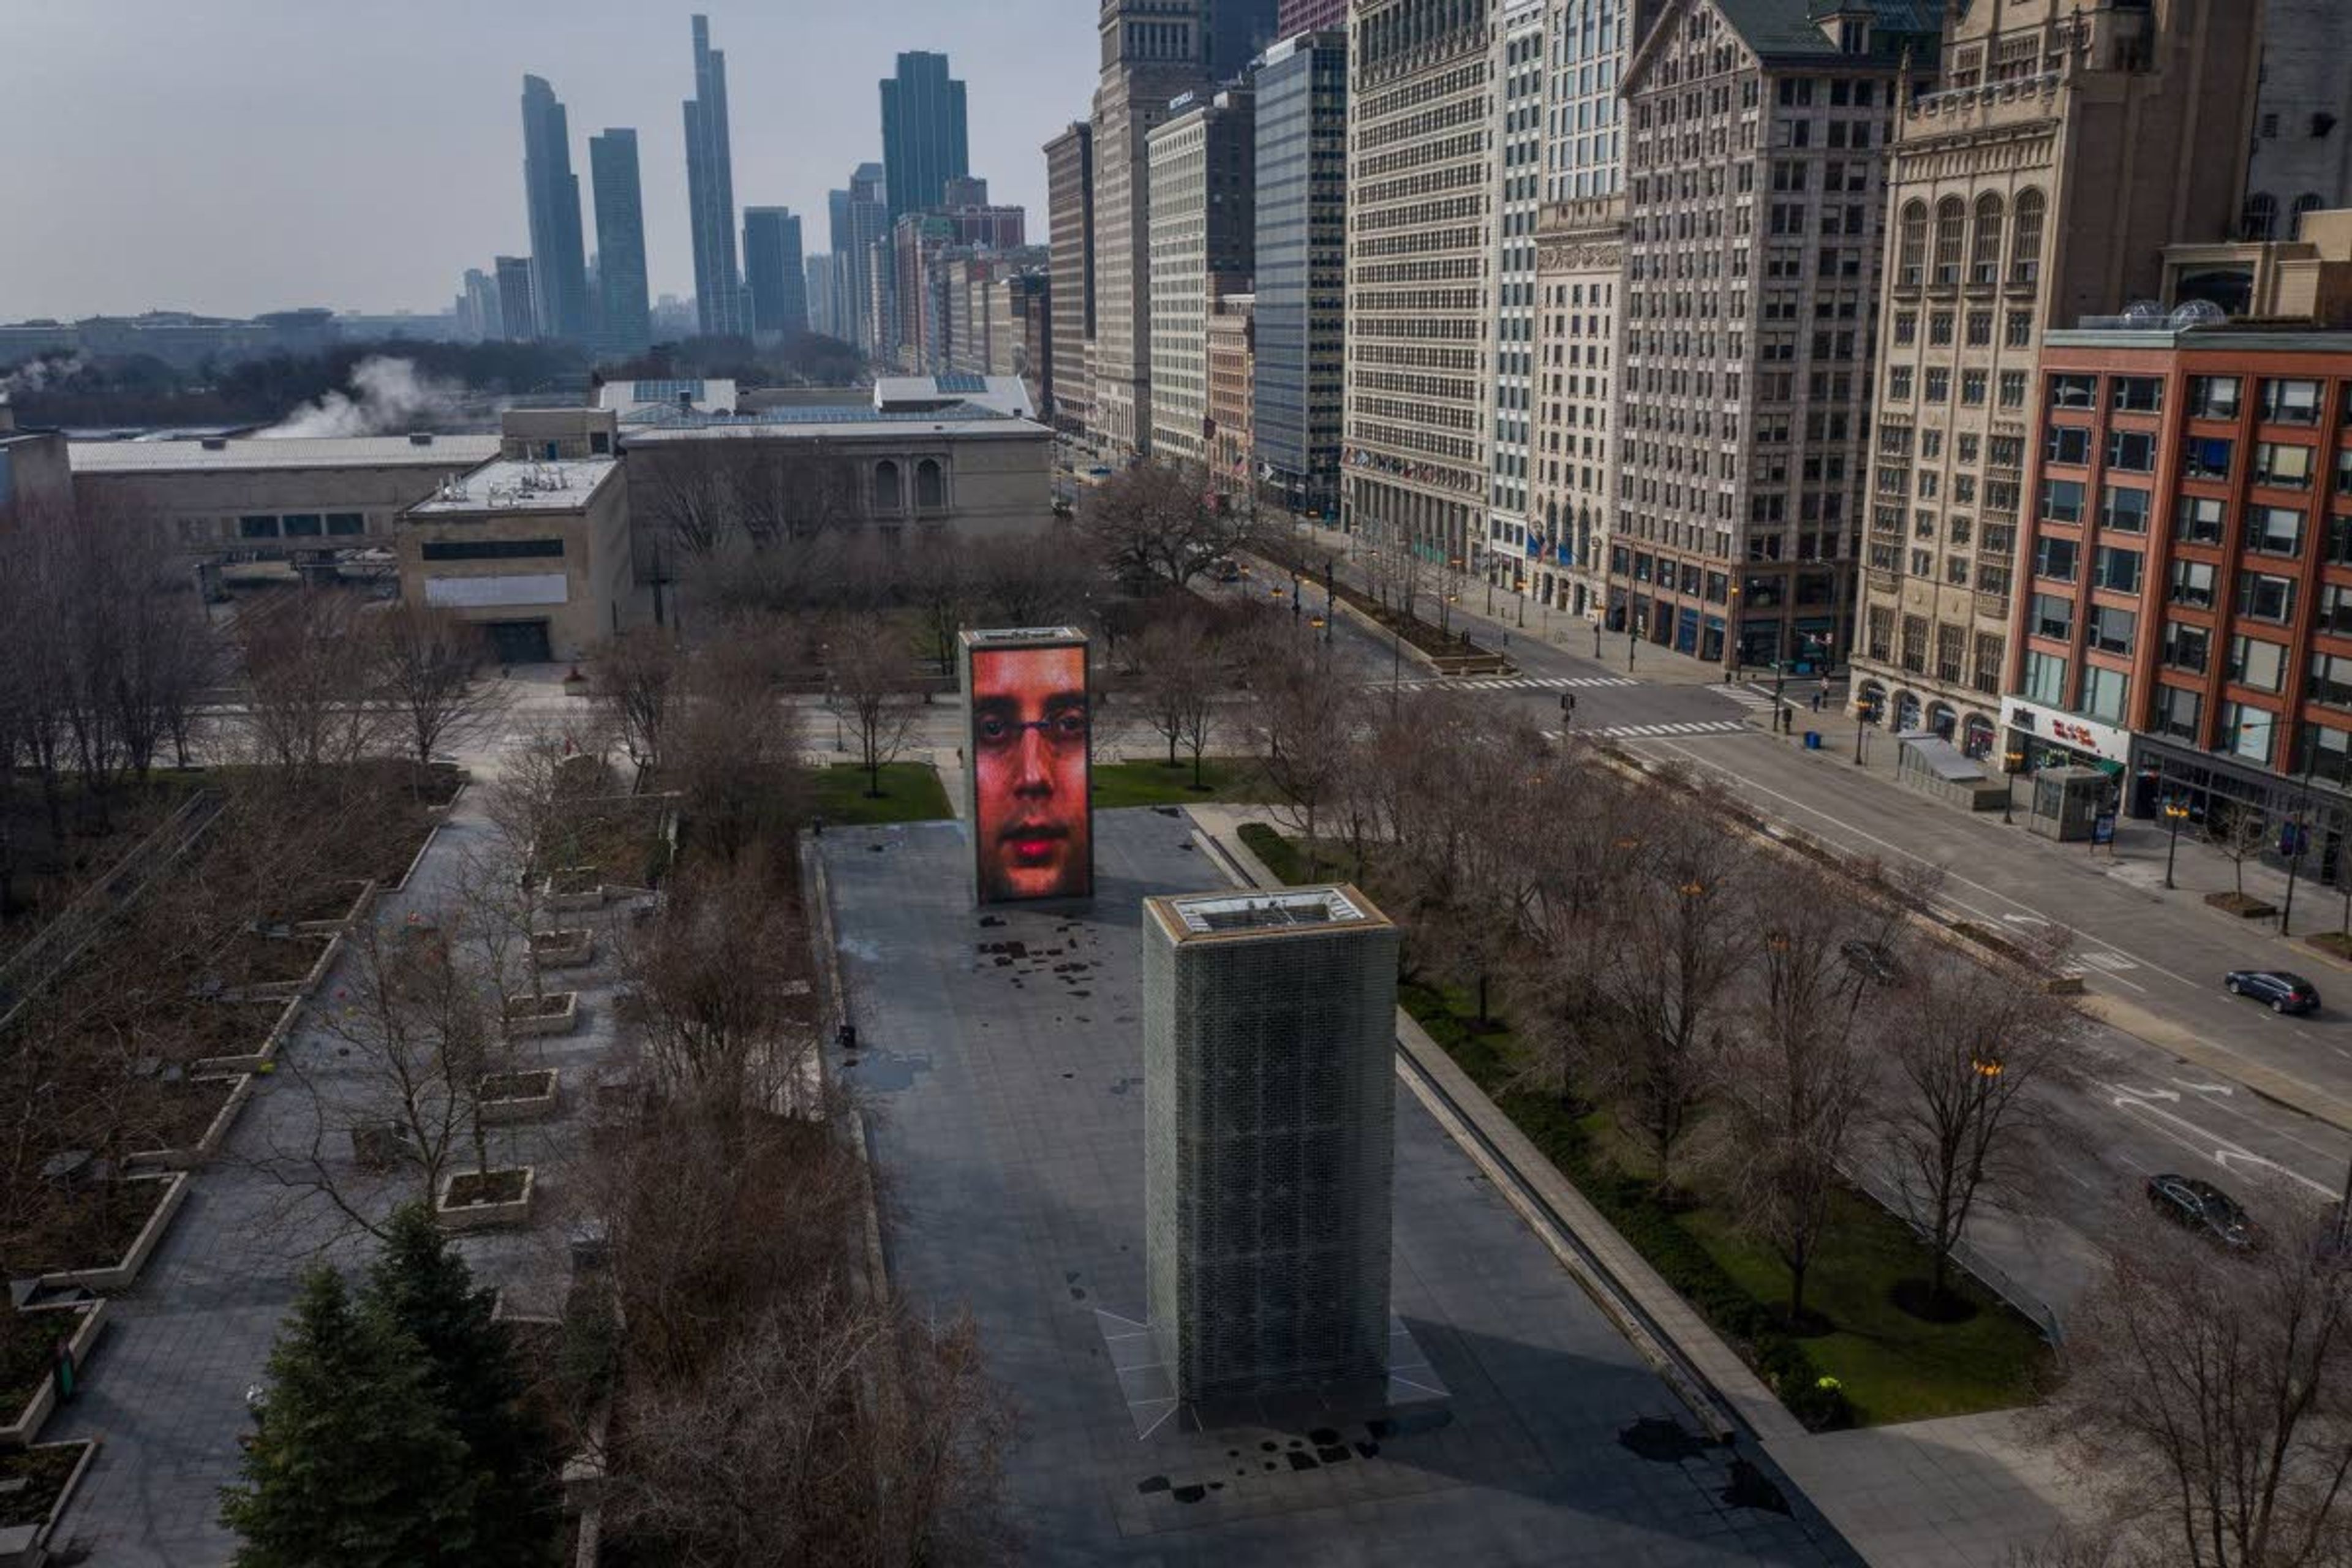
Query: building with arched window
{"points": [[2062, 147]]}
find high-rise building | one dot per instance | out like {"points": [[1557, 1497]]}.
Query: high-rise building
{"points": [[1297, 17], [860, 219], [718, 300], [1421, 304], [518, 317], [1269, 1107], [772, 268], [1233, 34], [1745, 363], [1522, 81], [924, 139], [1301, 315], [1579, 277], [817, 285], [963, 191], [2066, 148], [1153, 51], [2192, 478], [2302, 119], [1230, 357], [560, 267], [1070, 208], [482, 306], [627, 327], [1204, 234]]}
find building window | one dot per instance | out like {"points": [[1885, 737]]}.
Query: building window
{"points": [[2199, 521], [1907, 327], [303, 525], [886, 487], [2259, 664], [2123, 510], [2179, 712], [2290, 403], [2051, 615], [2214, 398], [2206, 457], [2112, 629], [2074, 392], [256, 528], [492, 549], [2192, 584], [1940, 329], [2187, 647], [2104, 694], [2137, 394], [2282, 465], [1984, 247], [2017, 330], [1915, 245], [2025, 238], [2062, 501], [2262, 597], [1940, 385], [1972, 388], [2331, 681], [930, 485], [2274, 531], [2054, 559], [2045, 678], [2067, 444], [2247, 731], [1951, 235], [2132, 451], [1979, 328], [1986, 677], [2335, 610], [2012, 389], [343, 524], [2260, 219], [2117, 570]]}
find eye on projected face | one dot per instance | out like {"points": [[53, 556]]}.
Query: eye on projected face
{"points": [[1029, 731]]}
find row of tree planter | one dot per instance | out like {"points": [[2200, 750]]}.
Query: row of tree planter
{"points": [[30, 1339], [29, 1512]]}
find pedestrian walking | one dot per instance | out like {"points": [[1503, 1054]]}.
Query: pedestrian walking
{"points": [[1819, 693]]}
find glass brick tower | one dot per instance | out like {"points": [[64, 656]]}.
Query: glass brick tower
{"points": [[1269, 1119]]}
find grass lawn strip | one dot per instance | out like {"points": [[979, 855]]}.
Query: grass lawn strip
{"points": [[1152, 782], [911, 792], [1890, 1366]]}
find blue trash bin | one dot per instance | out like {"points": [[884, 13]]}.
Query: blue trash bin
{"points": [[1812, 740]]}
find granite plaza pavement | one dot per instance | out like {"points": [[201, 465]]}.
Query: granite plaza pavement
{"points": [[1003, 1055]]}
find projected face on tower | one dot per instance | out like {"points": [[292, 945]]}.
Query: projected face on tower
{"points": [[1029, 731]]}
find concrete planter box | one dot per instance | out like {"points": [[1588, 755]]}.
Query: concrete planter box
{"points": [[2244, 905], [205, 1147], [486, 1217], [418, 858], [119, 1275], [444, 813], [27, 1545], [511, 1105], [298, 989], [26, 1424], [577, 900], [568, 949], [341, 923], [553, 1014], [260, 1056]]}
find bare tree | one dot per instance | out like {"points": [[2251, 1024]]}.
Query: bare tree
{"points": [[1303, 720], [1686, 940], [2238, 833], [735, 745], [637, 675], [1975, 1053], [1030, 582], [312, 695], [1801, 1072], [867, 664], [425, 660], [1180, 676], [1585, 871], [1162, 520], [2209, 1392], [941, 584]]}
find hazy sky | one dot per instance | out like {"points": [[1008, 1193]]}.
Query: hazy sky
{"points": [[246, 156]]}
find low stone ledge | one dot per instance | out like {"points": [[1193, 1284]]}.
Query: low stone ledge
{"points": [[122, 1273], [20, 1432]]}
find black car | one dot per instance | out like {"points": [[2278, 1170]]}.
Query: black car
{"points": [[2281, 991], [2202, 1205]]}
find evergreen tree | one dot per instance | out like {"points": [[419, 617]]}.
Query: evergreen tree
{"points": [[421, 1283], [354, 1464]]}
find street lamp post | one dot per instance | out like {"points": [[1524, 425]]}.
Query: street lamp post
{"points": [[2014, 760], [2175, 813], [1731, 638]]}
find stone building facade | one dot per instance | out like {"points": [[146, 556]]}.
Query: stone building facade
{"points": [[1203, 236], [2063, 147]]}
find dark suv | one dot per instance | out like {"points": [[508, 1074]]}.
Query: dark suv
{"points": [[2202, 1206], [2275, 988]]}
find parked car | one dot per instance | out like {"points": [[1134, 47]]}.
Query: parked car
{"points": [[1871, 961], [2202, 1206], [2275, 988]]}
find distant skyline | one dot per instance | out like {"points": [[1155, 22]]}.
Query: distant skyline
{"points": [[271, 156]]}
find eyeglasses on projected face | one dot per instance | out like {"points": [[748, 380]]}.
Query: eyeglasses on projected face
{"points": [[1064, 729]]}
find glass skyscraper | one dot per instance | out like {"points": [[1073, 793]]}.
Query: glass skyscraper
{"points": [[710, 193], [924, 144], [772, 268], [559, 267], [1302, 265], [620, 242]]}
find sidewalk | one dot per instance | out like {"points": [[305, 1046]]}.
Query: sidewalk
{"points": [[1555, 631], [1963, 1492]]}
